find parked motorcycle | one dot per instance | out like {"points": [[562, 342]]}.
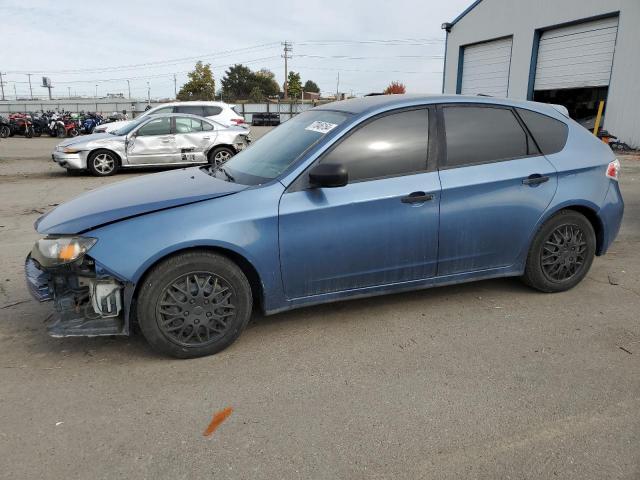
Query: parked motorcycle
{"points": [[5, 128], [20, 124], [91, 121]]}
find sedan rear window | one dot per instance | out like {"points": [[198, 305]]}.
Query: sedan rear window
{"points": [[550, 134]]}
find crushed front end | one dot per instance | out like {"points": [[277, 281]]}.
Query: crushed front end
{"points": [[88, 301]]}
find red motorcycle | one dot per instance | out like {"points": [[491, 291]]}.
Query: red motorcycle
{"points": [[21, 124], [71, 126]]}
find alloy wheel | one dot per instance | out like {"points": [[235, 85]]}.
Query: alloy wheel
{"points": [[221, 158], [195, 309], [564, 253], [104, 163]]}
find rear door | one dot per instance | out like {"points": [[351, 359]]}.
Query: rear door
{"points": [[495, 187], [193, 137], [153, 143]]}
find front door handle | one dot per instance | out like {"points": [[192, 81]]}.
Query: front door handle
{"points": [[417, 197], [535, 179]]}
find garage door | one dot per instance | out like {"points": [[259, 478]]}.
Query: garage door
{"points": [[485, 68], [577, 56]]}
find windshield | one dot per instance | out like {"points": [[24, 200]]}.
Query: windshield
{"points": [[129, 126], [272, 154]]}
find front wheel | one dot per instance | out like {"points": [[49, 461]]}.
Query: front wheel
{"points": [[73, 132], [219, 156], [60, 131], [5, 131], [194, 304], [102, 163], [28, 132], [561, 253]]}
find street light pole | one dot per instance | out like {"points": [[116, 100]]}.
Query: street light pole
{"points": [[96, 91], [148, 94], [129, 88], [30, 89]]}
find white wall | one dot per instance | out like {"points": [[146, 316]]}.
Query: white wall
{"points": [[521, 18]]}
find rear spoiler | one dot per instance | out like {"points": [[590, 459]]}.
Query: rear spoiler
{"points": [[561, 108]]}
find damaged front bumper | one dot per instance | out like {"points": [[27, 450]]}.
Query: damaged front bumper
{"points": [[87, 301]]}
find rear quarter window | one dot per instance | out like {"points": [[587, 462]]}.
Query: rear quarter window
{"points": [[550, 134]]}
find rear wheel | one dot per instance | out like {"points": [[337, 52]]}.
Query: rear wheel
{"points": [[102, 163], [219, 156], [194, 304], [5, 131], [561, 253], [60, 131], [28, 132]]}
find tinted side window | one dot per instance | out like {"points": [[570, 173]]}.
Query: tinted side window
{"points": [[212, 111], [549, 133], [192, 109], [206, 126], [159, 126], [482, 134], [395, 144]]}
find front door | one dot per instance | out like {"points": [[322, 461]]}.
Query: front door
{"points": [[153, 143], [495, 187], [381, 228]]}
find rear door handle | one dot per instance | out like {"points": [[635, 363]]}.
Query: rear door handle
{"points": [[535, 179], [417, 197]]}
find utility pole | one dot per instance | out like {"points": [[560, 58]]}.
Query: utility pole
{"points": [[2, 86], [288, 47], [30, 89], [338, 86], [148, 94], [175, 86], [69, 88], [129, 88], [96, 91], [15, 92]]}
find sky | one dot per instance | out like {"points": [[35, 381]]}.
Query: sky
{"points": [[88, 46]]}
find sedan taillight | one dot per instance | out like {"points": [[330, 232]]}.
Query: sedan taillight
{"points": [[237, 121], [613, 170]]}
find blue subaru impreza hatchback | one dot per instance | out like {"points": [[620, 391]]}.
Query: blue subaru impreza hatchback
{"points": [[351, 199]]}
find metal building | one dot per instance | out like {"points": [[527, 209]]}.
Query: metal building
{"points": [[570, 52]]}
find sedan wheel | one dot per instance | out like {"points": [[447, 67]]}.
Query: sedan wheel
{"points": [[561, 253], [219, 156], [102, 163], [194, 304]]}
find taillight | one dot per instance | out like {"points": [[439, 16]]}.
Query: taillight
{"points": [[613, 169], [238, 121]]}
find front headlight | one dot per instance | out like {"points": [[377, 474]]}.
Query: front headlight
{"points": [[55, 251], [70, 150]]}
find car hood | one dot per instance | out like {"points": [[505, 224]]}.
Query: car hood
{"points": [[86, 139], [134, 197]]}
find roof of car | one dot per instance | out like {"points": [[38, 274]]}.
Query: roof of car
{"points": [[195, 102], [387, 102]]}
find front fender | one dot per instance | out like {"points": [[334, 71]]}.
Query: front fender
{"points": [[245, 223]]}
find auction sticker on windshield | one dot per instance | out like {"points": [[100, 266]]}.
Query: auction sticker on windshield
{"points": [[321, 127]]}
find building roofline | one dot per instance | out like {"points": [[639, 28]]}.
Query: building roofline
{"points": [[467, 10]]}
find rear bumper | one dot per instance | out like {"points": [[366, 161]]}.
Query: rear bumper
{"points": [[611, 215]]}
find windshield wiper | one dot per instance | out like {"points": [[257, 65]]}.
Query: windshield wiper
{"points": [[226, 174]]}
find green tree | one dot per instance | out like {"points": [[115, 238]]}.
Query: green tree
{"points": [[294, 85], [240, 82], [266, 81], [311, 86], [256, 95], [201, 84]]}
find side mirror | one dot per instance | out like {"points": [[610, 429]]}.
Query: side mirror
{"points": [[328, 175]]}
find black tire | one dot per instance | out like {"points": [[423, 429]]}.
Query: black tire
{"points": [[561, 253], [37, 132], [28, 132], [173, 315], [220, 155], [5, 131], [72, 172], [73, 132], [102, 163], [60, 131]]}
